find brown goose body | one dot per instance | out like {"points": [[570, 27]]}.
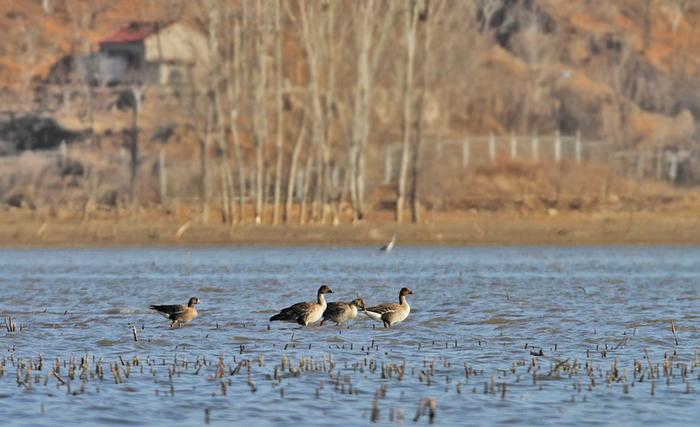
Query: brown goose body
{"points": [[341, 312], [178, 313], [391, 313], [305, 313]]}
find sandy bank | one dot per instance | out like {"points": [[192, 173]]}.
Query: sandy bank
{"points": [[467, 229]]}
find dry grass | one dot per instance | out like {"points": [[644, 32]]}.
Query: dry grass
{"points": [[508, 203], [453, 228]]}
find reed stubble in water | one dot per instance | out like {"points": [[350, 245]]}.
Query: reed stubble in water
{"points": [[326, 371]]}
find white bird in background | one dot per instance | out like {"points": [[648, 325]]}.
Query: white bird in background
{"points": [[389, 246]]}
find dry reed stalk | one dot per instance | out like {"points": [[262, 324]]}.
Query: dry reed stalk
{"points": [[651, 367], [374, 416], [673, 331]]}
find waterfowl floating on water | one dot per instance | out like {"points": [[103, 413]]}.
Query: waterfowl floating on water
{"points": [[340, 312], [391, 313], [305, 313], [178, 313]]}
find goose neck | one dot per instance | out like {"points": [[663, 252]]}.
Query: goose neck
{"points": [[322, 299]]}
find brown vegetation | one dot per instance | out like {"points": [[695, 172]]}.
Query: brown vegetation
{"points": [[302, 101]]}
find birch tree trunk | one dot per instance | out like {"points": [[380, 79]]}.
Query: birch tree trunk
{"points": [[227, 177], [326, 40], [410, 22], [233, 91], [217, 76], [224, 192], [305, 189], [311, 43], [259, 119], [134, 148], [278, 78], [418, 122], [205, 144], [370, 50], [360, 119], [293, 166]]}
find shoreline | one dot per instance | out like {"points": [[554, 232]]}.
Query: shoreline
{"points": [[482, 229]]}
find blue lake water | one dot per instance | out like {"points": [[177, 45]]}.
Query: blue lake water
{"points": [[517, 335]]}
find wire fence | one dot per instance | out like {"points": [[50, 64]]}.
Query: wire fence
{"points": [[450, 157], [445, 169]]}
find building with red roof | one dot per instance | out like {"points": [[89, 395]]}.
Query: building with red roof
{"points": [[139, 53]]}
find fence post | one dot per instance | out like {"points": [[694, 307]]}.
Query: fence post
{"points": [[641, 163], [578, 146], [162, 175], [465, 153], [387, 165], [659, 164], [513, 146], [557, 147], [492, 148], [535, 148], [673, 167]]}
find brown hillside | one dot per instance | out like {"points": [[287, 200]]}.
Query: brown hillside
{"points": [[620, 74]]}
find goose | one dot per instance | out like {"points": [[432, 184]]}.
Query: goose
{"points": [[340, 312], [389, 246], [391, 313], [305, 313], [178, 313]]}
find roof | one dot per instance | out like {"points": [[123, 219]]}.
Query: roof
{"points": [[132, 32]]}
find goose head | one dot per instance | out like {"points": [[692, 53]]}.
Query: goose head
{"points": [[193, 301], [404, 292], [359, 303], [325, 290]]}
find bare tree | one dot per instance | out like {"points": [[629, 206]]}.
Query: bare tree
{"points": [[328, 58], [205, 140], [218, 73], [132, 100], [293, 166], [427, 17], [312, 43], [260, 113], [233, 81], [410, 26], [278, 98], [360, 119], [305, 188], [369, 49]]}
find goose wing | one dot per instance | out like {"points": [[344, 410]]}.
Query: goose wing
{"points": [[383, 309], [335, 310], [294, 312], [170, 310]]}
